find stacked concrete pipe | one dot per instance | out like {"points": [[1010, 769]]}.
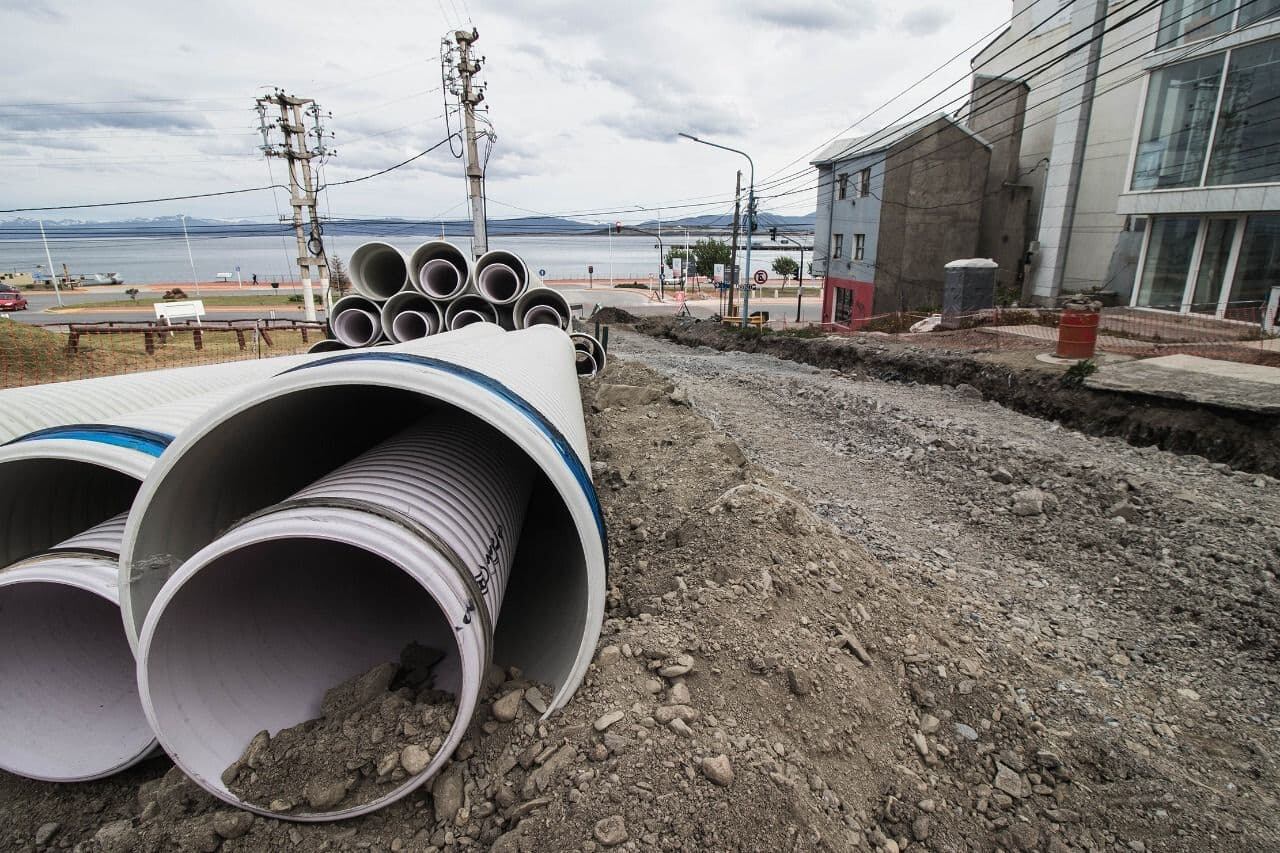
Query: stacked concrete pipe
{"points": [[381, 536], [69, 709]]}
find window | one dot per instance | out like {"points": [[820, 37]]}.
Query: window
{"points": [[843, 314], [864, 182], [859, 246], [844, 186], [1186, 21], [1176, 124], [1220, 266], [838, 251], [1246, 145]]}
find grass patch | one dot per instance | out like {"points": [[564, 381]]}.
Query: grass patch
{"points": [[30, 355], [248, 299]]}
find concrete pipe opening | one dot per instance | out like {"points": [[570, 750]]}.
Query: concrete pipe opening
{"points": [[328, 345], [409, 315], [468, 310], [442, 270], [542, 306], [521, 384], [69, 708], [378, 270], [356, 321], [502, 276]]}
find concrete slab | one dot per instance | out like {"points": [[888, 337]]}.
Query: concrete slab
{"points": [[1227, 384]]}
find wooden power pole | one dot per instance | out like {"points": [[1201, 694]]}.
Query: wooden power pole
{"points": [[297, 152], [733, 250], [470, 95]]}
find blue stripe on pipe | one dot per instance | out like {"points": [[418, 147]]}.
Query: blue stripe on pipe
{"points": [[131, 438], [539, 420]]}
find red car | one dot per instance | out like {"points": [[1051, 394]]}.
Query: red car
{"points": [[11, 299]]}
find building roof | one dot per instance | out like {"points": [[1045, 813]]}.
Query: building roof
{"points": [[845, 149]]}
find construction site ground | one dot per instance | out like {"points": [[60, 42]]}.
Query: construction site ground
{"points": [[849, 609]]}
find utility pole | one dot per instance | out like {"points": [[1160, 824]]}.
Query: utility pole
{"points": [[733, 251], [470, 95], [298, 153]]}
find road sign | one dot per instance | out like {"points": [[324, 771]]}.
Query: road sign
{"points": [[237, 268], [718, 272], [761, 276], [591, 270]]}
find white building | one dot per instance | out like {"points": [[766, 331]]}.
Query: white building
{"points": [[1151, 147]]}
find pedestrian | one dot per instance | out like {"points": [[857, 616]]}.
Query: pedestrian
{"points": [[255, 279]]}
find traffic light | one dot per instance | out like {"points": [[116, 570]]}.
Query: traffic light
{"points": [[773, 234]]}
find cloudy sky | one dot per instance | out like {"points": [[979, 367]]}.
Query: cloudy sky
{"points": [[140, 99]]}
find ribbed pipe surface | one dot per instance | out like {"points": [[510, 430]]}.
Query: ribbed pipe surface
{"points": [[378, 270], [417, 540], [69, 708]]}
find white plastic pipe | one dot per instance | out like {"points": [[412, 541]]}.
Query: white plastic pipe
{"points": [[378, 271], [523, 384], [36, 407], [328, 345], [502, 276], [69, 708], [547, 302], [410, 542], [592, 358], [421, 317], [356, 321], [467, 310], [440, 269]]}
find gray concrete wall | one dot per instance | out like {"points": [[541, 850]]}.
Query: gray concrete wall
{"points": [[934, 186], [996, 109]]}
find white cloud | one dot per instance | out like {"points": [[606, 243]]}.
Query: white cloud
{"points": [[925, 21]]}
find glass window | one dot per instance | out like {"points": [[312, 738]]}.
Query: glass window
{"points": [[1213, 265], [864, 182], [1176, 124], [859, 246], [1258, 269], [843, 314], [844, 185], [1184, 21], [1252, 11], [1246, 147], [1169, 250], [839, 248]]}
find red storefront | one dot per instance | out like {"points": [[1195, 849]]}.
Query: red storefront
{"points": [[846, 303]]}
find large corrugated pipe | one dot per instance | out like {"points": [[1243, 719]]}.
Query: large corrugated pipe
{"points": [[591, 357], [542, 306], [409, 315], [502, 276], [36, 407], [378, 271], [440, 269], [356, 321], [256, 626], [69, 708], [327, 345], [466, 310], [521, 384]]}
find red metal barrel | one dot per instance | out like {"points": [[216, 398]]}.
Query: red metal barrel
{"points": [[1077, 334]]}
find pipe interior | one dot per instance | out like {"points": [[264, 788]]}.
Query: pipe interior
{"points": [[44, 501], [585, 363], [198, 499], [254, 640], [542, 315], [356, 327], [379, 270], [328, 345], [411, 325], [69, 707], [466, 318], [499, 283], [440, 278]]}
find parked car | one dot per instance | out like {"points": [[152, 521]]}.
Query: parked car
{"points": [[11, 299]]}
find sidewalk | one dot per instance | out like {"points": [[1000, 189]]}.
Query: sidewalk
{"points": [[1226, 384]]}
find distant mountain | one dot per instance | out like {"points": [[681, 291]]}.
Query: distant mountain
{"points": [[172, 226]]}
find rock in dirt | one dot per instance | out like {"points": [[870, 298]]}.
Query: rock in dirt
{"points": [[345, 757], [1009, 781], [625, 395], [46, 832], [446, 794], [116, 837], [608, 719], [799, 682], [1028, 502], [232, 824], [718, 769], [611, 831], [506, 708]]}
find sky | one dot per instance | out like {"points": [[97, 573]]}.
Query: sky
{"points": [[142, 99]]}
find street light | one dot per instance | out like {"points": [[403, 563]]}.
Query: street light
{"points": [[190, 259], [751, 218], [799, 272]]}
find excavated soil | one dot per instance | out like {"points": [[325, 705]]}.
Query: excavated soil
{"points": [[845, 614]]}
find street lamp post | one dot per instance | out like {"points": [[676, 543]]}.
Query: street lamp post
{"points": [[190, 258], [751, 217], [799, 272]]}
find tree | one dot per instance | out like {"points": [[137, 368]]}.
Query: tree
{"points": [[338, 278], [785, 267], [132, 293], [706, 254]]}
